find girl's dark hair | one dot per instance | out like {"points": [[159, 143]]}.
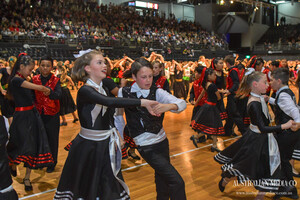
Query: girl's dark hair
{"points": [[214, 62], [255, 61], [199, 69], [275, 63], [22, 60], [136, 66], [46, 57], [208, 71]]}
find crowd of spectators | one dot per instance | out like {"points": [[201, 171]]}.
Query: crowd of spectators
{"points": [[81, 20], [284, 37]]}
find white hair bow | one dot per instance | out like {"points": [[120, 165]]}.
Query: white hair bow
{"points": [[249, 71], [82, 52]]}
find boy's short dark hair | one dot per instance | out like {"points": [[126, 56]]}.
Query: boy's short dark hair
{"points": [[275, 63], [230, 59], [283, 74]]}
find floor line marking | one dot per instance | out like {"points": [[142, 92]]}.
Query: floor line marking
{"points": [[134, 167]]}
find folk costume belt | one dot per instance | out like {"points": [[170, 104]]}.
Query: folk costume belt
{"points": [[210, 103], [24, 108]]}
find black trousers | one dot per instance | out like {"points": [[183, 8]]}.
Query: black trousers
{"points": [[233, 117], [169, 183], [287, 140], [51, 124]]}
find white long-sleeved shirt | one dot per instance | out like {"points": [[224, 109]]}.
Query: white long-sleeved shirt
{"points": [[286, 104], [163, 97]]}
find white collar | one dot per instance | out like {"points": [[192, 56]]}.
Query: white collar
{"points": [[98, 108], [139, 91], [98, 87], [282, 88]]}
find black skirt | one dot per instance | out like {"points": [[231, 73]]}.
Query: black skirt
{"points": [[221, 108], [248, 160], [87, 173], [207, 120], [241, 104], [7, 107], [67, 104], [5, 180], [296, 152], [28, 141]]}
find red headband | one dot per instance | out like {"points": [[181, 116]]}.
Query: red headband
{"points": [[202, 75], [212, 63], [22, 54]]}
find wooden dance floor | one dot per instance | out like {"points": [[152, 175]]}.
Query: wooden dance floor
{"points": [[197, 167]]}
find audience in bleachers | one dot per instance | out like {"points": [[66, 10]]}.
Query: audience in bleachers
{"points": [[80, 20]]}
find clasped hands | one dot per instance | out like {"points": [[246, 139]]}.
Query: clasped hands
{"points": [[155, 108]]}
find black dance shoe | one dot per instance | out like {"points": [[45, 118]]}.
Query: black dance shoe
{"points": [[201, 139], [234, 134], [213, 149], [221, 187], [12, 171], [194, 141], [28, 187], [75, 120], [133, 155], [64, 124]]}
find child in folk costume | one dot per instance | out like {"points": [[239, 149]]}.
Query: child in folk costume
{"points": [[28, 138], [147, 130], [285, 109], [296, 153], [217, 65], [178, 86], [158, 79], [6, 105], [233, 81], [208, 119], [48, 105], [187, 77], [241, 102], [67, 104], [197, 101], [92, 168], [7, 191], [255, 156]]}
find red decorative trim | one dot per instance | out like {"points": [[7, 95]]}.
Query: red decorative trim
{"points": [[129, 141], [34, 162], [24, 108], [67, 148], [19, 74], [246, 120], [207, 130], [223, 115], [210, 103]]}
